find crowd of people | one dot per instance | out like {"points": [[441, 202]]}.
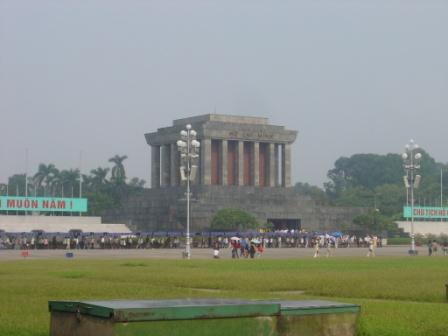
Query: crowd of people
{"points": [[433, 247], [105, 241], [241, 245], [278, 239]]}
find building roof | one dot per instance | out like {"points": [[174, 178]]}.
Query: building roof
{"points": [[225, 127]]}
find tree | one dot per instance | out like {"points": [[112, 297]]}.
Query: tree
{"points": [[356, 196], [233, 220], [87, 182], [137, 183], [364, 170], [118, 171], [376, 182], [99, 177], [3, 189], [375, 222], [55, 183], [102, 195], [16, 185], [314, 192], [390, 199], [100, 202], [69, 181], [44, 176], [339, 181]]}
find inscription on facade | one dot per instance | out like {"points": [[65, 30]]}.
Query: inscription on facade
{"points": [[261, 134]]}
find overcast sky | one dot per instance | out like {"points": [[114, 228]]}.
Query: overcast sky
{"points": [[94, 76]]}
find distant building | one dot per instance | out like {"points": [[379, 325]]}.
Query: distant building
{"points": [[244, 163]]}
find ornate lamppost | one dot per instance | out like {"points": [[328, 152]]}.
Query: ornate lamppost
{"points": [[188, 147], [411, 162]]}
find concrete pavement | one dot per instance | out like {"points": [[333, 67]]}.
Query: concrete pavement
{"points": [[205, 253]]}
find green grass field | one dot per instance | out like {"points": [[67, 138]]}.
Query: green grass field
{"points": [[399, 296]]}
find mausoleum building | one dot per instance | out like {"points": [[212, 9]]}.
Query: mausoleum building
{"points": [[244, 162], [235, 151]]}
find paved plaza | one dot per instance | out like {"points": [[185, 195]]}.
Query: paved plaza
{"points": [[203, 253]]}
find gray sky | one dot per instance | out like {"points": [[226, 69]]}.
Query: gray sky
{"points": [[351, 76]]}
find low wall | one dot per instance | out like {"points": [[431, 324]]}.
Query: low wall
{"points": [[11, 219], [435, 228], [17, 224]]}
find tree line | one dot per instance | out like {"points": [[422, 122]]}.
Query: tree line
{"points": [[104, 187], [372, 181], [376, 182]]}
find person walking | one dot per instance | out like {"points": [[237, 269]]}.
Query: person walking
{"points": [[372, 245], [328, 246], [445, 248], [216, 249], [235, 247], [316, 247], [252, 250], [434, 246], [260, 250], [244, 247]]}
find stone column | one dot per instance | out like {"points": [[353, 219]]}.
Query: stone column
{"points": [[256, 163], [271, 166], [277, 166], [240, 164], [174, 165], [166, 158], [286, 165], [155, 166], [223, 168], [206, 156]]}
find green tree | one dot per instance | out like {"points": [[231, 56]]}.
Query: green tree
{"points": [[70, 182], [375, 222], [3, 189], [43, 177], [364, 170], [55, 183], [390, 199], [118, 171], [356, 196], [135, 182], [16, 185], [99, 177], [100, 202], [233, 220], [102, 195], [87, 182], [316, 193], [365, 179]]}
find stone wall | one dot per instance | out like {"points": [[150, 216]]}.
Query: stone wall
{"points": [[165, 208]]}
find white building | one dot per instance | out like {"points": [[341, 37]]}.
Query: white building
{"points": [[432, 227]]}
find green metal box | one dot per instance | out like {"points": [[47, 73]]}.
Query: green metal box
{"points": [[202, 317], [317, 318], [164, 317]]}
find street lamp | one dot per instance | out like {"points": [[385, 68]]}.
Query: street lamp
{"points": [[188, 147], [411, 162]]}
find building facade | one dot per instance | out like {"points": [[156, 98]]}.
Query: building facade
{"points": [[244, 163], [235, 151]]}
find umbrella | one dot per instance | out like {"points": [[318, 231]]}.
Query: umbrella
{"points": [[256, 241], [235, 238], [336, 234]]}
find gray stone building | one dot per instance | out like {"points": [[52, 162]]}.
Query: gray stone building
{"points": [[244, 163]]}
